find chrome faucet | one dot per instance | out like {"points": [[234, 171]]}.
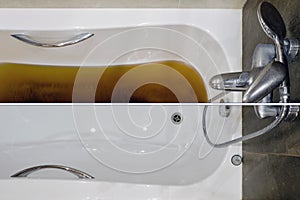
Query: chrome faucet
{"points": [[269, 68]]}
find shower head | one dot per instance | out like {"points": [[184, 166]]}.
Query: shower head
{"points": [[273, 25], [271, 21]]}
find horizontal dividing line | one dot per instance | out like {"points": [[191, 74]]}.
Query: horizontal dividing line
{"points": [[149, 104]]}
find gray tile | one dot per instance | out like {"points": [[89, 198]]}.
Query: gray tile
{"points": [[294, 26], [271, 142], [293, 139], [89, 4], [285, 170], [139, 3], [271, 167], [258, 180], [231, 4], [273, 177]]}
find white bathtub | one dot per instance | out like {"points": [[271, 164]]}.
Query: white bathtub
{"points": [[134, 151]]}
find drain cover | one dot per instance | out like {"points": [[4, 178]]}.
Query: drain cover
{"points": [[236, 160], [176, 118]]}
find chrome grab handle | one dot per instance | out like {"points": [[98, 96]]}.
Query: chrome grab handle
{"points": [[28, 171], [74, 40]]}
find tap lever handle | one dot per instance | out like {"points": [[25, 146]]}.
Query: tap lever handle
{"points": [[267, 80]]}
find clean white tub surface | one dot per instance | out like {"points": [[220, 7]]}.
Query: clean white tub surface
{"points": [[24, 188], [151, 165], [102, 141]]}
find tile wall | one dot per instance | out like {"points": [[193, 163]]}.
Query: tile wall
{"points": [[232, 4], [271, 167]]}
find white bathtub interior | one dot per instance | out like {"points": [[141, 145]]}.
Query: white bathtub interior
{"points": [[126, 147]]}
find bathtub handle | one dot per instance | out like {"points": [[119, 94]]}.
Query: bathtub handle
{"points": [[28, 171], [74, 40]]}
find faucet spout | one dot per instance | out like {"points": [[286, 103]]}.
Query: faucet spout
{"points": [[269, 71], [237, 81]]}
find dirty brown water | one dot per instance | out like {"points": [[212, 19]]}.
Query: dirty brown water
{"points": [[29, 83]]}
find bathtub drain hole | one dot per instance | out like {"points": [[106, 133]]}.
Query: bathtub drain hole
{"points": [[176, 118]]}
